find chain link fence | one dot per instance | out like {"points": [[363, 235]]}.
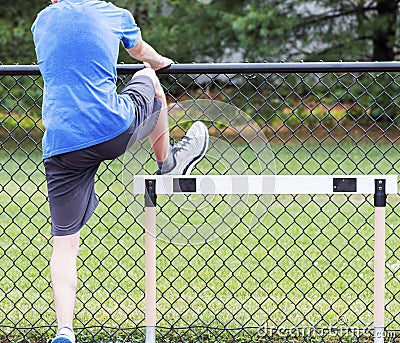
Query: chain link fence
{"points": [[265, 267]]}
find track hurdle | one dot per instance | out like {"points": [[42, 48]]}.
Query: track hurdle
{"points": [[378, 185]]}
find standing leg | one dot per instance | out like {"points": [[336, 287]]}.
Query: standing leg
{"points": [[64, 282], [72, 200]]}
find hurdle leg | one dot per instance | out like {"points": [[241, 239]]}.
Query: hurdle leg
{"points": [[379, 261], [150, 261]]}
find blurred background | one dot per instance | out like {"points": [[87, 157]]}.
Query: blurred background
{"points": [[236, 31]]}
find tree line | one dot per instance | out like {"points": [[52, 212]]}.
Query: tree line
{"points": [[237, 30]]}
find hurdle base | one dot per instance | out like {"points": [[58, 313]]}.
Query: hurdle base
{"points": [[379, 335]]}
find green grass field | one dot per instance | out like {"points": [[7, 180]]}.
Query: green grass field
{"points": [[275, 261]]}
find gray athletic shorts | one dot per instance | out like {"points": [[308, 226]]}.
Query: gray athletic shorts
{"points": [[70, 176]]}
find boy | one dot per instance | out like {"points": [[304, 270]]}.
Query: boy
{"points": [[87, 122]]}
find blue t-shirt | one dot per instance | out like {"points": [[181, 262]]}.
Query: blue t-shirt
{"points": [[77, 45]]}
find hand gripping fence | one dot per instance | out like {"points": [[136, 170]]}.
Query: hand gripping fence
{"points": [[378, 185]]}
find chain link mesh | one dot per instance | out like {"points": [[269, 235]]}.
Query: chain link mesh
{"points": [[286, 267]]}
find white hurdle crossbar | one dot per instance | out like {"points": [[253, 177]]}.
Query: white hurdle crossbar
{"points": [[378, 185]]}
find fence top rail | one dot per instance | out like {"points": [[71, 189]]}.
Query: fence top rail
{"points": [[236, 68]]}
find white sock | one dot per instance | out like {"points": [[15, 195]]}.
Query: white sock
{"points": [[68, 332]]}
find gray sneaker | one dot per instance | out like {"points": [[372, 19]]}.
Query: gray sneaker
{"points": [[189, 150]]}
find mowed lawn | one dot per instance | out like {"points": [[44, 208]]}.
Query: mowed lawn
{"points": [[223, 261]]}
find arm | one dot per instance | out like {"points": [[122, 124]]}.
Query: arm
{"points": [[144, 52]]}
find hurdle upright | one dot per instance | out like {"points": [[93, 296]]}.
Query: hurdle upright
{"points": [[378, 185]]}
